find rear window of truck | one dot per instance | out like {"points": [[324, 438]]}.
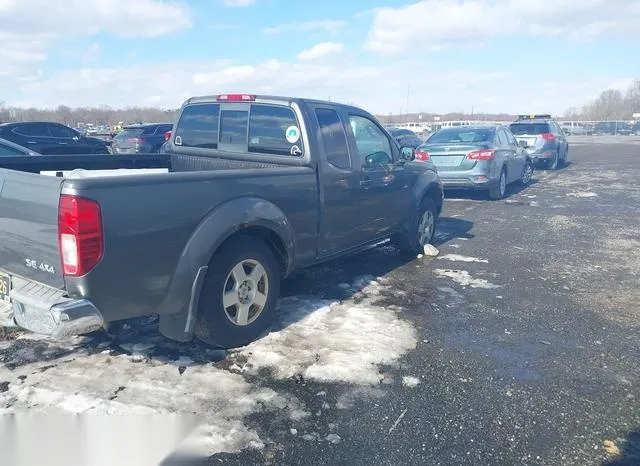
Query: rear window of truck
{"points": [[198, 126], [262, 129]]}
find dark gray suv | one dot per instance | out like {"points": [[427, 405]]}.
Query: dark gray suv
{"points": [[543, 140]]}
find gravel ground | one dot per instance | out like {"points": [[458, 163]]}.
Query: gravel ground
{"points": [[518, 344]]}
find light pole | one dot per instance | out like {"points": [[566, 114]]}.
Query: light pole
{"points": [[407, 107]]}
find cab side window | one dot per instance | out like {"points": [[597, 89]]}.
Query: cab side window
{"points": [[374, 148], [334, 138]]}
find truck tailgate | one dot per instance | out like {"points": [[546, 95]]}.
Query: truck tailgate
{"points": [[29, 227]]}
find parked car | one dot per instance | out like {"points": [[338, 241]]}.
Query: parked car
{"points": [[143, 138], [612, 128], [485, 158], [575, 128], [8, 149], [542, 139], [51, 138], [405, 137], [258, 187]]}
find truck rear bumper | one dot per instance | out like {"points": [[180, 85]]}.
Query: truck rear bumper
{"points": [[41, 309]]}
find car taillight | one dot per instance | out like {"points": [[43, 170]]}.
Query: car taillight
{"points": [[167, 135], [422, 155], [481, 154], [236, 98], [547, 136], [80, 235]]}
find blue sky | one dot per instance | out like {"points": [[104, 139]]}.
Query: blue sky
{"points": [[446, 55]]}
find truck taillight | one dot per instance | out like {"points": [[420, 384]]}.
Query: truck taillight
{"points": [[236, 98], [80, 235]]}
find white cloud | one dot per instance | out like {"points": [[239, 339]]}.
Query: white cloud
{"points": [[621, 84], [239, 3], [92, 53], [380, 88], [329, 26], [31, 27], [319, 51], [438, 23]]}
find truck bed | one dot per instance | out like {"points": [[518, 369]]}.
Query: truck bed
{"points": [[148, 219]]}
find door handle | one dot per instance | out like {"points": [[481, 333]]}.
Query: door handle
{"points": [[31, 142], [63, 143]]}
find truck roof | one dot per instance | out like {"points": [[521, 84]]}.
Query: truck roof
{"points": [[261, 97]]}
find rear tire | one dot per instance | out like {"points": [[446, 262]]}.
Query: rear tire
{"points": [[422, 228], [553, 163], [499, 191], [239, 295], [527, 174], [561, 162]]}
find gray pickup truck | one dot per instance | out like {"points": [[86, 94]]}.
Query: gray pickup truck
{"points": [[258, 186]]}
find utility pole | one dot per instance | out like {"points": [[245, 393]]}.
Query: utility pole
{"points": [[407, 107]]}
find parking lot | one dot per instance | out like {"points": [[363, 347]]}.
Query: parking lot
{"points": [[518, 344]]}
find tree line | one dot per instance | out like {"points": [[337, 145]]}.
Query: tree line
{"points": [[611, 104], [103, 115]]}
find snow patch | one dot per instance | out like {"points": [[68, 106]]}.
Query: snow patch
{"points": [[410, 381], [317, 339], [430, 250], [464, 278], [459, 258], [583, 194], [102, 384], [331, 342]]}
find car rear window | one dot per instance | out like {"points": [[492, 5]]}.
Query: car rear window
{"points": [[129, 133], [462, 135], [529, 128]]}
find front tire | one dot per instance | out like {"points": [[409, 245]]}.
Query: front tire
{"points": [[240, 294], [499, 191], [422, 230]]}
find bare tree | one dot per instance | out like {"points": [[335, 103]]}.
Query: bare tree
{"points": [[95, 115], [633, 96], [612, 104]]}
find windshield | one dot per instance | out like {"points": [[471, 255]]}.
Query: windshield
{"points": [[462, 135], [529, 128]]}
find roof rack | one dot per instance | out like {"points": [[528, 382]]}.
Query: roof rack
{"points": [[533, 116]]}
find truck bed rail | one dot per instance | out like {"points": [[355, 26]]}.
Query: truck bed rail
{"points": [[36, 164]]}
